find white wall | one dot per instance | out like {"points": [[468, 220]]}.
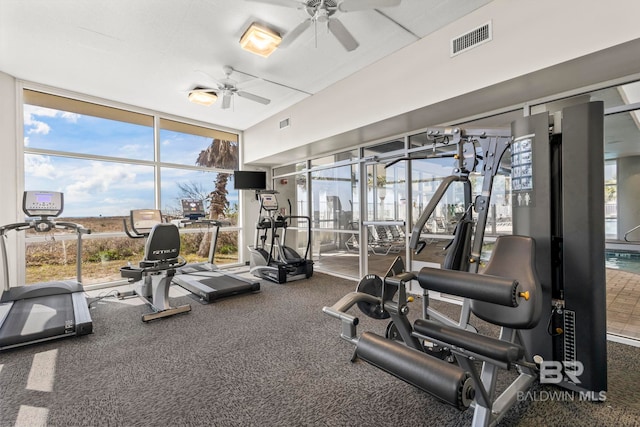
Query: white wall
{"points": [[8, 159], [528, 36]]}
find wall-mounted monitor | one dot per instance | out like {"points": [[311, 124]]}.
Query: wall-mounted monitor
{"points": [[249, 180]]}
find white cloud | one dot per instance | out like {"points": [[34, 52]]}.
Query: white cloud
{"points": [[35, 126], [70, 117], [100, 178], [40, 167], [134, 151], [39, 128], [34, 110]]}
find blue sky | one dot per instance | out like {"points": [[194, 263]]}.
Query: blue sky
{"points": [[98, 188]]}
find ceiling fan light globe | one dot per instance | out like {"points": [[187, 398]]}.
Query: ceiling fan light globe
{"points": [[260, 40], [203, 98]]}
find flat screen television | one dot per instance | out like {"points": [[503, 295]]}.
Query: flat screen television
{"points": [[249, 180]]}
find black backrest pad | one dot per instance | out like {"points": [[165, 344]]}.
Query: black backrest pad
{"points": [[513, 257], [459, 248], [163, 243]]}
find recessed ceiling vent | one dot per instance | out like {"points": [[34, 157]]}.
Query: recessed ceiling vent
{"points": [[284, 123], [469, 40]]}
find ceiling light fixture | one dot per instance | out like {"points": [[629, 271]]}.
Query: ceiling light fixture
{"points": [[202, 96], [260, 40]]}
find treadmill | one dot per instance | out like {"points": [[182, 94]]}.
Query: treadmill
{"points": [[43, 311], [204, 279]]}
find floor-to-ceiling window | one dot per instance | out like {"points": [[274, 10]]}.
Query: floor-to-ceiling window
{"points": [[335, 212], [402, 192], [107, 161]]}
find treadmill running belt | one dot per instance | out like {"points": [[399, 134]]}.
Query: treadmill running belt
{"points": [[224, 283], [214, 285], [39, 318]]}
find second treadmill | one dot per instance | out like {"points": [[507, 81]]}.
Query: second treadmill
{"points": [[204, 279]]}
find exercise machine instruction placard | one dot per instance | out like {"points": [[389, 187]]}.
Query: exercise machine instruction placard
{"points": [[522, 171]]}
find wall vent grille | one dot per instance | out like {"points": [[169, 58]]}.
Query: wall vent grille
{"points": [[284, 123], [473, 38]]}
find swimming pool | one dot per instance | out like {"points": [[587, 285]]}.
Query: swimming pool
{"points": [[623, 260]]}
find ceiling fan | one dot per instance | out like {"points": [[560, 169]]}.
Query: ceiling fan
{"points": [[226, 88], [322, 11]]}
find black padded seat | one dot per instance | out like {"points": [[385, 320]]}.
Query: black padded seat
{"points": [[461, 339]]}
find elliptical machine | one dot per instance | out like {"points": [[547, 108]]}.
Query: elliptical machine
{"points": [[151, 279], [274, 260]]}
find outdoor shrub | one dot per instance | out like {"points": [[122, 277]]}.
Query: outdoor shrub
{"points": [[228, 249]]}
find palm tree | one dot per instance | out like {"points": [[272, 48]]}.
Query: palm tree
{"points": [[223, 155]]}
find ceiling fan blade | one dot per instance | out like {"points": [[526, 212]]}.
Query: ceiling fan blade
{"points": [[253, 97], [352, 5], [226, 101], [295, 33], [342, 34], [286, 3]]}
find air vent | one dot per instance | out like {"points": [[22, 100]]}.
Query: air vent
{"points": [[469, 40], [284, 123]]}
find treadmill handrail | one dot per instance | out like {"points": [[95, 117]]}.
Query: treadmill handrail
{"points": [[211, 224], [49, 225]]}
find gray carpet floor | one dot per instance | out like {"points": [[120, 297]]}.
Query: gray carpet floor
{"points": [[266, 359]]}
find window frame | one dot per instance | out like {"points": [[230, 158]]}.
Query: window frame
{"points": [[49, 96]]}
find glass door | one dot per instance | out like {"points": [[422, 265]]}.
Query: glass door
{"points": [[384, 221]]}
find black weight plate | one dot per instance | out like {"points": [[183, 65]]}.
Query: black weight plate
{"points": [[372, 285], [393, 333]]}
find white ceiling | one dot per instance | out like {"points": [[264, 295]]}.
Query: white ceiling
{"points": [[149, 53]]}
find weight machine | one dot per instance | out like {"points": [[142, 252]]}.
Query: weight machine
{"points": [[544, 286], [471, 147]]}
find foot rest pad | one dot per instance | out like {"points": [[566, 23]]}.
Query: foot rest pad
{"points": [[488, 347], [443, 380]]}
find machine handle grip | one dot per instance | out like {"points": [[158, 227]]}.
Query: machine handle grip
{"points": [[344, 317], [128, 233], [72, 226]]}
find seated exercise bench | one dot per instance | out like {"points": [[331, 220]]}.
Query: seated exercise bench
{"points": [[153, 276]]}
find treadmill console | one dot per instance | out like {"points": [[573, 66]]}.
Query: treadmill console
{"points": [[42, 203], [193, 209], [268, 201], [143, 220]]}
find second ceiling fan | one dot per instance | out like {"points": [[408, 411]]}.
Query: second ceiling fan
{"points": [[226, 88], [322, 11]]}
